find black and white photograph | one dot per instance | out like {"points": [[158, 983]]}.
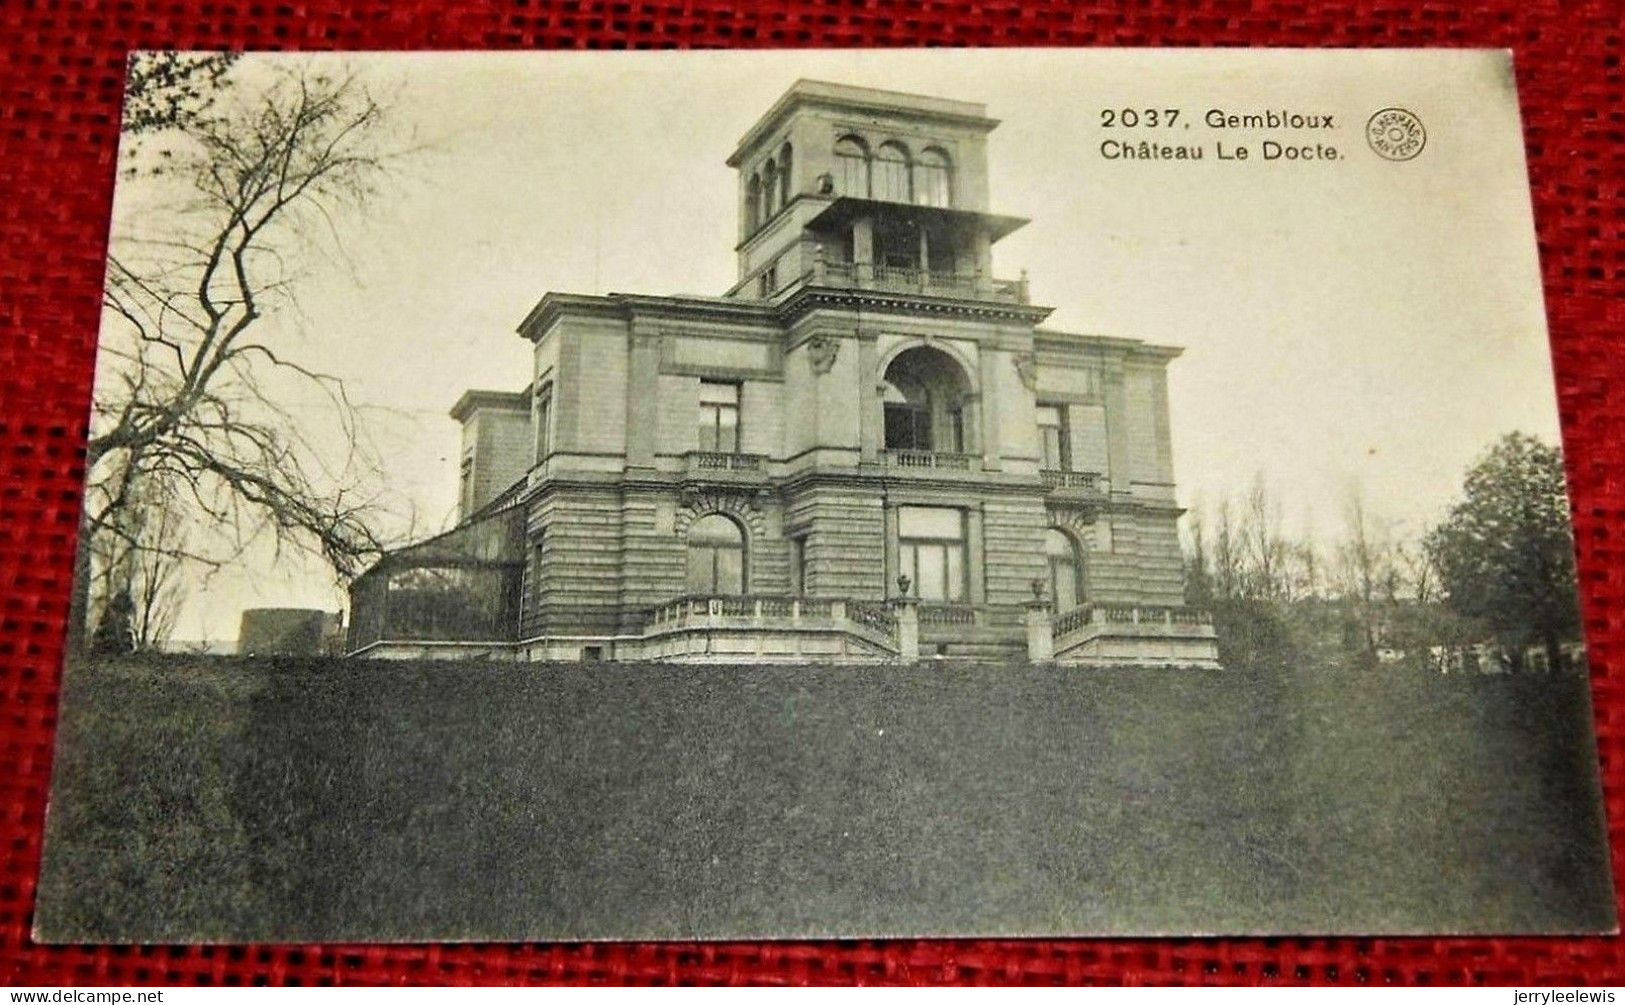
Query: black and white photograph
{"points": [[823, 494]]}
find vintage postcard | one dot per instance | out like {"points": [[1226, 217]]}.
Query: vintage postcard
{"points": [[823, 494]]}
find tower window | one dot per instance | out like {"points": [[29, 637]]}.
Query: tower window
{"points": [[770, 191], [719, 417], [852, 167], [784, 176], [753, 203], [933, 184], [891, 174]]}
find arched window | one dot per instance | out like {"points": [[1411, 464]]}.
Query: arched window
{"points": [[770, 191], [716, 556], [923, 402], [1066, 585], [933, 183], [753, 203], [852, 167], [891, 182], [784, 176]]}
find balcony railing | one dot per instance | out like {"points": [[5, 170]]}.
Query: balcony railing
{"points": [[877, 616], [717, 466], [947, 614], [911, 279], [930, 460], [706, 460], [1128, 614], [774, 612], [1074, 482]]}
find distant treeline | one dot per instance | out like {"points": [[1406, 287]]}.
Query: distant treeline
{"points": [[1499, 568]]}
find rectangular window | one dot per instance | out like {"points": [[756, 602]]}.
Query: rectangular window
{"points": [[719, 417], [769, 280], [544, 423], [931, 551], [531, 601], [798, 566], [1053, 435], [465, 484], [907, 427]]}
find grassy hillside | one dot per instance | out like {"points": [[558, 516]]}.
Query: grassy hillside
{"points": [[319, 800]]}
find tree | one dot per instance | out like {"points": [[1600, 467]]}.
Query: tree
{"points": [[1266, 547], [1198, 574], [1366, 570], [172, 90], [140, 564], [1505, 552], [193, 387], [115, 632]]}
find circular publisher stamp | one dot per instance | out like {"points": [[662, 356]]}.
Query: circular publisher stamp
{"points": [[1396, 134]]}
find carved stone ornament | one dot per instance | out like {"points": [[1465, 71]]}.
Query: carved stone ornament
{"points": [[1027, 370], [821, 353]]}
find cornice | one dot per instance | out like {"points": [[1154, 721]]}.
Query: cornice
{"points": [[644, 307], [810, 298], [1072, 343]]}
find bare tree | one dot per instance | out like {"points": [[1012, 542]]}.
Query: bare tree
{"points": [[1228, 558], [1266, 545], [1421, 578], [1306, 580], [1366, 568], [140, 564], [1198, 568], [194, 388]]}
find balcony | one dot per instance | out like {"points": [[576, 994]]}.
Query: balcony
{"points": [[907, 279], [930, 460], [1128, 614], [1078, 486], [709, 467], [766, 628]]}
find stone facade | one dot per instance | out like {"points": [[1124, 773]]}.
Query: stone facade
{"points": [[868, 422]]}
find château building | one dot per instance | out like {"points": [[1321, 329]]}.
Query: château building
{"points": [[869, 448]]}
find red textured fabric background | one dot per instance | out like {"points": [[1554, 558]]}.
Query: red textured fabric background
{"points": [[60, 78]]}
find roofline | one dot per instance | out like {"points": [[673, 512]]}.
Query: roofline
{"points": [[476, 399], [1114, 342], [846, 207], [624, 306], [805, 92]]}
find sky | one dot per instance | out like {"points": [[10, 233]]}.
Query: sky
{"points": [[1349, 324]]}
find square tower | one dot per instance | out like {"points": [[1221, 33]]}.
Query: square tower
{"points": [[865, 183]]}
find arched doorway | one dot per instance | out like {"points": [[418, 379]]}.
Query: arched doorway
{"points": [[1066, 571], [925, 399]]}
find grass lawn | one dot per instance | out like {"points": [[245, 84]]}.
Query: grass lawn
{"points": [[302, 800]]}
